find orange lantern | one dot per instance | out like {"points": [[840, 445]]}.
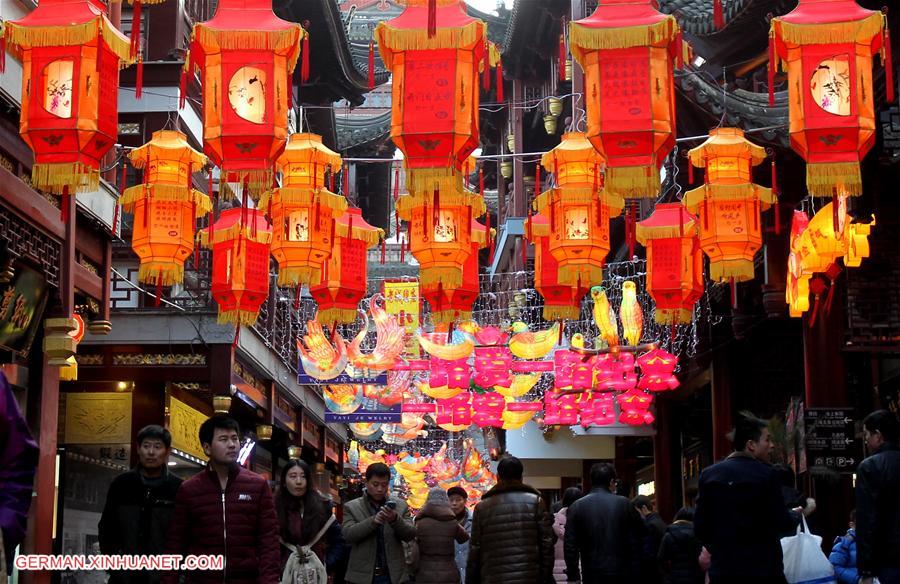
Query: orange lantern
{"points": [[440, 233], [344, 278], [729, 204], [303, 210], [240, 275], [561, 301], [827, 47], [71, 55], [627, 50], [165, 206], [451, 304], [246, 56], [579, 212], [674, 262], [434, 51]]}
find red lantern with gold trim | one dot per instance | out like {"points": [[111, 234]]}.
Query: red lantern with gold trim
{"points": [[451, 304], [344, 278], [245, 55], [561, 301], [674, 262], [240, 275], [71, 55], [303, 210], [729, 204], [578, 210], [628, 50], [434, 51], [827, 47], [165, 206]]}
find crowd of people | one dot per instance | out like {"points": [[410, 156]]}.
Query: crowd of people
{"points": [[733, 535]]}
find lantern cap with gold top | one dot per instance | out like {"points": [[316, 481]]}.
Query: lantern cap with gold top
{"points": [[728, 156], [621, 24], [171, 162], [409, 31]]}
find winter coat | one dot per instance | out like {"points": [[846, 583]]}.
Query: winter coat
{"points": [[462, 549], [559, 554], [238, 522], [843, 558], [361, 532], [741, 518], [878, 511], [437, 530], [135, 520], [606, 532], [18, 461], [679, 555], [512, 537], [299, 529]]}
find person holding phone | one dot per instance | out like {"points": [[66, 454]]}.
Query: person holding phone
{"points": [[375, 527]]}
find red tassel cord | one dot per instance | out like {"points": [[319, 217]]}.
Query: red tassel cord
{"points": [[304, 60], [432, 18], [345, 172], [537, 178], [396, 183], [183, 82], [776, 204], [139, 79], [718, 15], [402, 249], [835, 213], [383, 249], [734, 303], [563, 53], [500, 97], [524, 245], [888, 65], [237, 336], [690, 173], [331, 179], [135, 28], [64, 205], [596, 177], [771, 71], [486, 70], [436, 214], [371, 65], [159, 288], [632, 214], [679, 46], [124, 177], [2, 53], [466, 176]]}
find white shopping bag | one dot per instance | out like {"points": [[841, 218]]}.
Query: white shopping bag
{"points": [[804, 560]]}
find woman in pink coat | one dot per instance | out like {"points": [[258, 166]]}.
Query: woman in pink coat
{"points": [[571, 495]]}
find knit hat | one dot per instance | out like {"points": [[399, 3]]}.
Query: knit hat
{"points": [[458, 491], [438, 496]]}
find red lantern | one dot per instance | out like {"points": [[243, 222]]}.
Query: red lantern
{"points": [[561, 301], [246, 56], [628, 51], [71, 55], [240, 275], [827, 46], [674, 262], [451, 304], [344, 278], [435, 92]]}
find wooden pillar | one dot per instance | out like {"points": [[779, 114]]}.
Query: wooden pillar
{"points": [[721, 405], [519, 195], [667, 482]]}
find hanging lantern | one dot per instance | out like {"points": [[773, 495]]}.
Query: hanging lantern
{"points": [[344, 278], [246, 56], [303, 210], [240, 274], [628, 50], [674, 262], [797, 284], [561, 301], [729, 204], [455, 304], [440, 231], [165, 206], [434, 51], [578, 210], [71, 55], [827, 48]]}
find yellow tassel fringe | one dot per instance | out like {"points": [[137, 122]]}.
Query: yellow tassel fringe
{"points": [[583, 38], [20, 37], [693, 199], [259, 182], [645, 234], [825, 179], [338, 315], [169, 272], [238, 317], [587, 274], [858, 31], [53, 177], [231, 233], [449, 278], [407, 203], [670, 316], [448, 316], [724, 270], [304, 196], [158, 192], [293, 276], [394, 40], [633, 182], [285, 42], [552, 312], [614, 202], [368, 236]]}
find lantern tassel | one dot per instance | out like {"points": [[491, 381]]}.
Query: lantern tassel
{"points": [[432, 18], [436, 215], [835, 213], [630, 230], [117, 213], [159, 287], [139, 79], [500, 97], [486, 69], [304, 62], [396, 183], [734, 303], [402, 249], [237, 335], [371, 65], [561, 64], [771, 71], [383, 249], [183, 82], [2, 53], [815, 311], [718, 15], [775, 195], [888, 64], [124, 177], [64, 205], [345, 175], [136, 28], [679, 46], [524, 252], [297, 296], [690, 173], [830, 297]]}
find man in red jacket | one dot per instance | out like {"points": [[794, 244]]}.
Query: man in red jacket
{"points": [[225, 510]]}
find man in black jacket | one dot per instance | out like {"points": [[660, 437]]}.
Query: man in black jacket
{"points": [[139, 506], [655, 530], [878, 501], [740, 515], [605, 532]]}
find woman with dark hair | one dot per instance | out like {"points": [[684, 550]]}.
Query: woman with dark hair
{"points": [[680, 550], [570, 495], [302, 511]]}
